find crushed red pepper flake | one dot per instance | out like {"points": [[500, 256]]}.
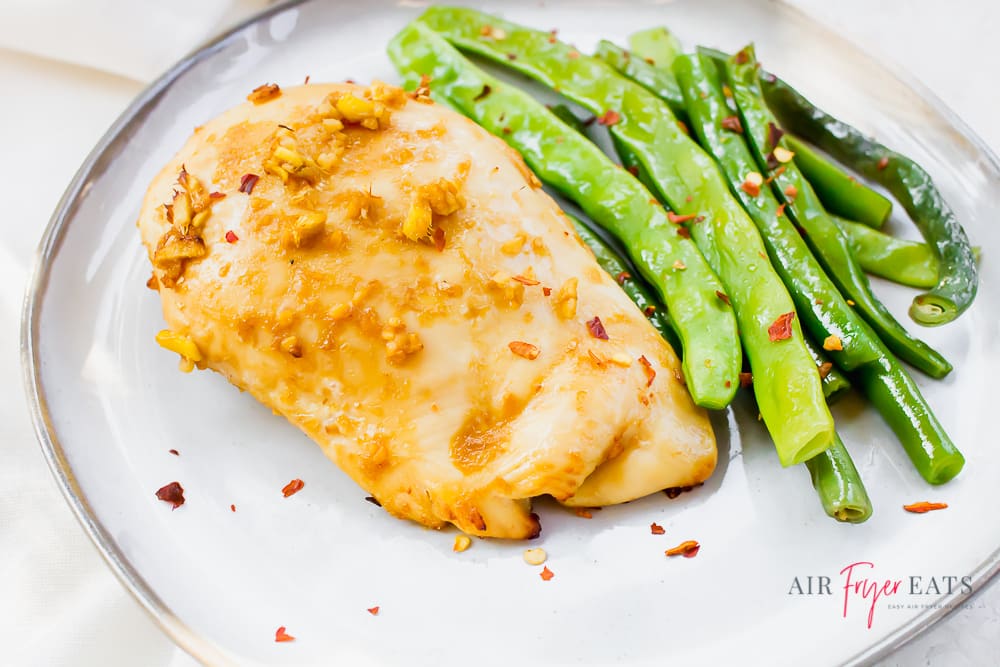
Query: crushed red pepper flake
{"points": [[656, 529], [546, 291], [373, 500], [172, 493], [216, 195], [824, 369], [675, 491], [683, 127], [231, 237], [292, 487], [264, 93], [373, 610], [883, 163], [781, 209], [833, 343], [742, 57], [573, 55], [281, 636], [622, 277], [687, 548], [597, 359], [596, 328], [633, 169], [733, 124], [924, 506], [483, 93], [522, 349], [648, 369], [609, 118], [746, 379], [649, 310], [684, 232], [511, 56], [438, 237], [781, 328], [678, 219], [727, 91], [306, 81], [247, 181], [174, 452], [727, 384], [552, 36], [546, 574], [232, 508], [774, 134], [791, 192], [750, 187], [723, 297], [584, 513]]}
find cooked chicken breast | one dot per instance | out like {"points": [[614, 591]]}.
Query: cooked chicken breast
{"points": [[392, 279]]}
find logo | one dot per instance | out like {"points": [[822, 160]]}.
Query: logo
{"points": [[861, 589]]}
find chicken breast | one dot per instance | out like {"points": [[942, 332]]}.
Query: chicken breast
{"points": [[392, 279]]}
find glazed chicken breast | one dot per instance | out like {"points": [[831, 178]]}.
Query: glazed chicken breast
{"points": [[392, 279]]}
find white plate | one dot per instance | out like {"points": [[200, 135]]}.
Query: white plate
{"points": [[109, 404]]}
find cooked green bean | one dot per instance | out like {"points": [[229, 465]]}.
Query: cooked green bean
{"points": [[958, 278], [830, 246], [840, 193], [904, 262], [608, 195], [657, 44], [835, 383], [839, 485], [787, 387], [820, 305], [658, 80]]}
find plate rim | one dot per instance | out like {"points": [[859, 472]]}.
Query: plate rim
{"points": [[197, 646]]}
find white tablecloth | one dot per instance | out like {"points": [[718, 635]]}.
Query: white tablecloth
{"points": [[68, 68]]}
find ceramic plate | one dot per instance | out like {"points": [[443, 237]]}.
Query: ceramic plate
{"points": [[109, 404]]}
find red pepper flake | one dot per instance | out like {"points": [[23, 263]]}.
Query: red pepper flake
{"points": [[781, 210], [529, 282], [374, 501], [174, 452], [833, 343], [633, 169], [546, 574], [746, 379], [584, 513], [678, 219], [777, 172], [306, 82], [883, 163], [781, 329], [596, 358], [483, 93], [687, 548], [923, 507], [656, 529], [511, 56], [649, 310], [675, 491], [588, 121], [247, 181], [293, 487], [824, 369], [281, 636], [742, 57], [573, 55], [438, 237], [683, 127], [506, 130], [552, 36], [648, 369], [216, 195], [727, 91], [750, 187], [596, 328], [231, 237], [264, 93], [546, 291], [622, 277], [373, 610], [610, 117], [772, 162], [733, 124], [791, 192], [774, 134], [727, 384], [522, 349], [172, 493], [684, 232], [723, 297], [232, 508]]}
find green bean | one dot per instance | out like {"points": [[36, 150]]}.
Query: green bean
{"points": [[787, 387], [658, 80], [823, 310], [840, 193], [821, 233], [634, 286], [958, 278], [904, 262], [607, 194], [658, 44], [839, 485]]}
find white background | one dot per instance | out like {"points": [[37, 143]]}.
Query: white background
{"points": [[59, 604]]}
